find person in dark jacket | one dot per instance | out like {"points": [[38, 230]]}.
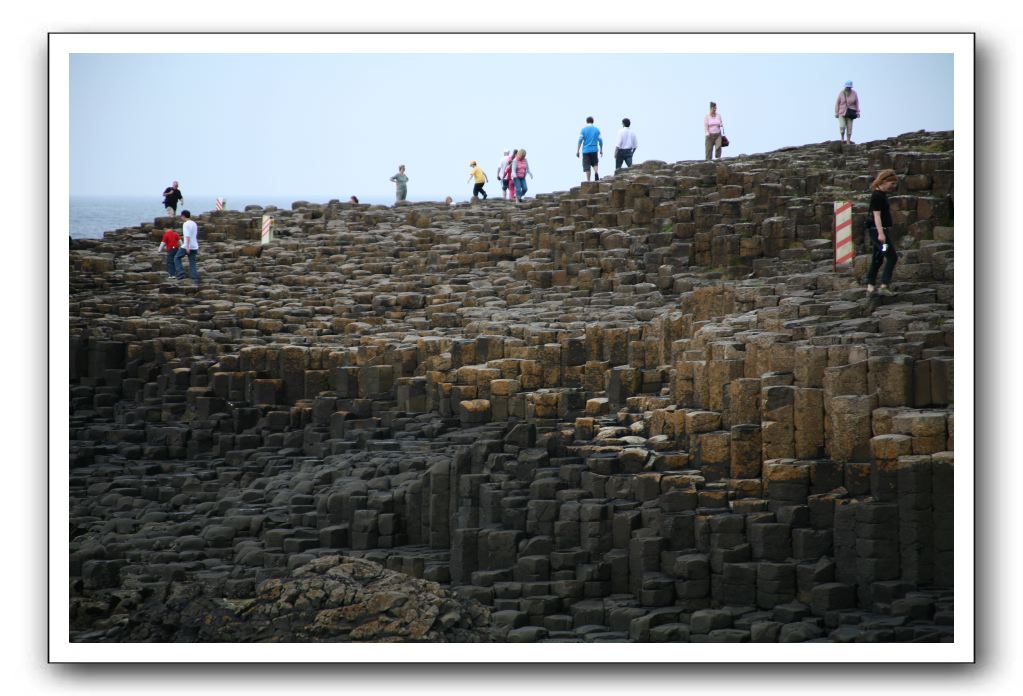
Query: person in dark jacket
{"points": [[881, 232], [171, 197]]}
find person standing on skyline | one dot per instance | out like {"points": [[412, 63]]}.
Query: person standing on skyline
{"points": [[713, 129], [509, 174], [626, 146], [481, 178], [520, 167], [502, 174], [171, 197], [589, 141], [401, 184], [847, 108]]}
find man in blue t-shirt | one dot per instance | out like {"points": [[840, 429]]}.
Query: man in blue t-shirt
{"points": [[590, 142]]}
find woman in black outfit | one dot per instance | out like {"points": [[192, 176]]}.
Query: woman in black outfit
{"points": [[880, 226]]}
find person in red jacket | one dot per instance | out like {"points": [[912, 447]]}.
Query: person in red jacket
{"points": [[170, 243]]}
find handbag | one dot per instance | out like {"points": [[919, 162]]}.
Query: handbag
{"points": [[851, 113], [724, 140]]}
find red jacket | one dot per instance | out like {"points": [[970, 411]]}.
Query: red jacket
{"points": [[170, 240]]}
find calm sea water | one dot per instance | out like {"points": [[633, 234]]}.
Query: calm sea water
{"points": [[91, 216]]}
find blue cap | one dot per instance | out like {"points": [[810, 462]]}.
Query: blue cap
{"points": [[848, 83]]}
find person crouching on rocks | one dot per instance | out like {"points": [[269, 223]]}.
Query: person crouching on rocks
{"points": [[880, 228], [520, 167], [481, 178]]}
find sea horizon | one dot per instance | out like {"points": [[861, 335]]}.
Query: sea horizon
{"points": [[91, 215]]}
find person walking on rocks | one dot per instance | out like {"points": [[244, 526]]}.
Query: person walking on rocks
{"points": [[847, 108], [502, 174], [481, 178], [626, 146], [171, 197], [170, 243], [189, 248], [401, 184], [509, 174], [880, 227], [713, 129], [591, 144], [520, 167]]}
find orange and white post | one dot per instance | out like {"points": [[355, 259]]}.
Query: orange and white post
{"points": [[844, 250], [267, 234]]}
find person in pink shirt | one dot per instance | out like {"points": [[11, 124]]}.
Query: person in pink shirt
{"points": [[847, 108], [520, 167], [509, 174], [713, 129]]}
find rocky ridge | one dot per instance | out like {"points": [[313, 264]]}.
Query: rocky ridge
{"points": [[644, 409]]}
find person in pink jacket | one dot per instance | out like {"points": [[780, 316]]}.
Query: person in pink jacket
{"points": [[847, 108], [509, 174], [713, 129], [519, 168]]}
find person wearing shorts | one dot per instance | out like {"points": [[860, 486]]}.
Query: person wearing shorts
{"points": [[502, 174], [592, 146], [171, 197]]}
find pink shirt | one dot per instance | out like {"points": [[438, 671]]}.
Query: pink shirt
{"points": [[712, 124], [847, 101]]}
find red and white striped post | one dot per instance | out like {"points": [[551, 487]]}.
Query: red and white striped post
{"points": [[842, 237], [267, 234], [220, 204]]}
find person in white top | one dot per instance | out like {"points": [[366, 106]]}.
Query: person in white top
{"points": [[626, 145], [502, 175], [189, 247]]}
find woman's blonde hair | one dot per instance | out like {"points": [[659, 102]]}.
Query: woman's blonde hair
{"points": [[521, 152], [883, 176]]}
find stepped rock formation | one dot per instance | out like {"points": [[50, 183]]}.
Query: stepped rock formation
{"points": [[645, 409]]}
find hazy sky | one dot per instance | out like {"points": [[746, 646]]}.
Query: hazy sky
{"points": [[320, 126]]}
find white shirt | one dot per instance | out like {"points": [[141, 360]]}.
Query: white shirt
{"points": [[626, 140], [190, 235]]}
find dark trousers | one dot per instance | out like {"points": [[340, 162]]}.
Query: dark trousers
{"points": [[888, 258], [477, 190], [623, 156]]}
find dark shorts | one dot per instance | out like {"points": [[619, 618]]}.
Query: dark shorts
{"points": [[589, 160]]}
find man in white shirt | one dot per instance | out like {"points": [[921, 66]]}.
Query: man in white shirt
{"points": [[189, 247], [626, 145]]}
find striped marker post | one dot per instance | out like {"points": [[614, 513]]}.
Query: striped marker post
{"points": [[220, 204], [842, 239], [267, 234]]}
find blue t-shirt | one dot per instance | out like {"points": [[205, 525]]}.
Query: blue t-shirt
{"points": [[590, 137]]}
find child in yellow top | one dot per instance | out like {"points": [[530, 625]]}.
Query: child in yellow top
{"points": [[481, 178]]}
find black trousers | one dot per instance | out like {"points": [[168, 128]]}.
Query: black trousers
{"points": [[888, 258], [477, 190]]}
